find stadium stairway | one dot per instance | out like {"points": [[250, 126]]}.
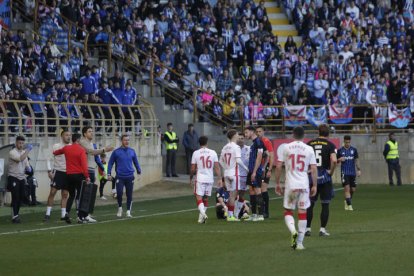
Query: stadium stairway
{"points": [[280, 23]]}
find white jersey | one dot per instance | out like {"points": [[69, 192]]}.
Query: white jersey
{"points": [[228, 159], [297, 157], [205, 158], [59, 161], [245, 155]]}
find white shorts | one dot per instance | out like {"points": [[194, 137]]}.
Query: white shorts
{"points": [[242, 183], [232, 183], [296, 198], [203, 189]]}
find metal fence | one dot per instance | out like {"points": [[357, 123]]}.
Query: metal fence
{"points": [[25, 117]]}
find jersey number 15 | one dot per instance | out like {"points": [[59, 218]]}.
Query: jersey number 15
{"points": [[298, 163]]}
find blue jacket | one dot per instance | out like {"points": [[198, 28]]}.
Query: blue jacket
{"points": [[123, 158], [107, 96], [88, 85]]}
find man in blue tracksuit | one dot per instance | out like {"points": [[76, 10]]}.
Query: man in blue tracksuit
{"points": [[125, 159]]}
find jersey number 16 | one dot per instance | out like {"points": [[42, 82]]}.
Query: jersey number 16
{"points": [[207, 163]]}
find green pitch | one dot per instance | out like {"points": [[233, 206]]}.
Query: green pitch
{"points": [[165, 239]]}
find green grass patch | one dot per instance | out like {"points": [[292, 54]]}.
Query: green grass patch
{"points": [[165, 239]]}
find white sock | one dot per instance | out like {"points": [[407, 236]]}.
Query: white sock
{"points": [[322, 229], [201, 208], [290, 223], [63, 212], [205, 209], [302, 230], [237, 208], [308, 229], [48, 210], [230, 214]]}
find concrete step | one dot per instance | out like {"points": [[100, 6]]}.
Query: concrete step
{"points": [[285, 32], [279, 21], [273, 9]]}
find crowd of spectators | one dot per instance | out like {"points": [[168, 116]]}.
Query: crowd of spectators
{"points": [[352, 53]]}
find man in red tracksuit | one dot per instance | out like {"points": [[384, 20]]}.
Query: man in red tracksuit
{"points": [[76, 170]]}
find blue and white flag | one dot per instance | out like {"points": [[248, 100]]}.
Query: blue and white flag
{"points": [[340, 115], [399, 118], [295, 115], [316, 116]]}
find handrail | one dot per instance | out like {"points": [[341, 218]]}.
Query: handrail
{"points": [[105, 119]]}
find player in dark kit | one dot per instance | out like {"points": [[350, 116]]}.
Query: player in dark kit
{"points": [[254, 178], [348, 157], [325, 154], [222, 197]]}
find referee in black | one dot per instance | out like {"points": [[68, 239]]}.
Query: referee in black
{"points": [[325, 153]]}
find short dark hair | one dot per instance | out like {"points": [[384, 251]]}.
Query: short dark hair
{"points": [[85, 129], [323, 130], [75, 137], [251, 128], [298, 132], [203, 140], [190, 125], [63, 131], [391, 133], [123, 136], [262, 127], [20, 138], [169, 124], [347, 137], [231, 133]]}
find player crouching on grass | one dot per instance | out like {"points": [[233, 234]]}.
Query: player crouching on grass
{"points": [[297, 157], [124, 159], [204, 163], [348, 157], [222, 198]]}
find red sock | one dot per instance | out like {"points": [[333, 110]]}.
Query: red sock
{"points": [[199, 202]]}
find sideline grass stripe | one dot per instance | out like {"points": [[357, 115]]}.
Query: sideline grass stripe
{"points": [[113, 220]]}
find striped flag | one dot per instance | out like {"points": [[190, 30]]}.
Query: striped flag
{"points": [[295, 115], [399, 118], [340, 115], [317, 116]]}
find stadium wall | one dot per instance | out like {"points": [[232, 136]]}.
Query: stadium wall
{"points": [[374, 167], [148, 150]]}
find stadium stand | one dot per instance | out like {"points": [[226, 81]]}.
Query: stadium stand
{"points": [[231, 62]]}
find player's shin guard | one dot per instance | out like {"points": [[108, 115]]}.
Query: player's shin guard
{"points": [[324, 214], [309, 214], [253, 202], [260, 204], [200, 206], [301, 227], [265, 196], [290, 221]]}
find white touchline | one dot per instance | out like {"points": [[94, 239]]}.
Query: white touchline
{"points": [[113, 220]]}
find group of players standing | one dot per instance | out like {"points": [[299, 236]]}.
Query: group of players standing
{"points": [[308, 168]]}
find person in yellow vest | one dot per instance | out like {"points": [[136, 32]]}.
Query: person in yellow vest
{"points": [[393, 159], [171, 145], [102, 176]]}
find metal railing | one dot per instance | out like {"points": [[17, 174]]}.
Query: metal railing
{"points": [[39, 119], [364, 121]]}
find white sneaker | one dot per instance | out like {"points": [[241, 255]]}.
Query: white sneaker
{"points": [[259, 218], [103, 198], [89, 219], [350, 208], [245, 216], [119, 214], [204, 218], [253, 217], [299, 246], [128, 214]]}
